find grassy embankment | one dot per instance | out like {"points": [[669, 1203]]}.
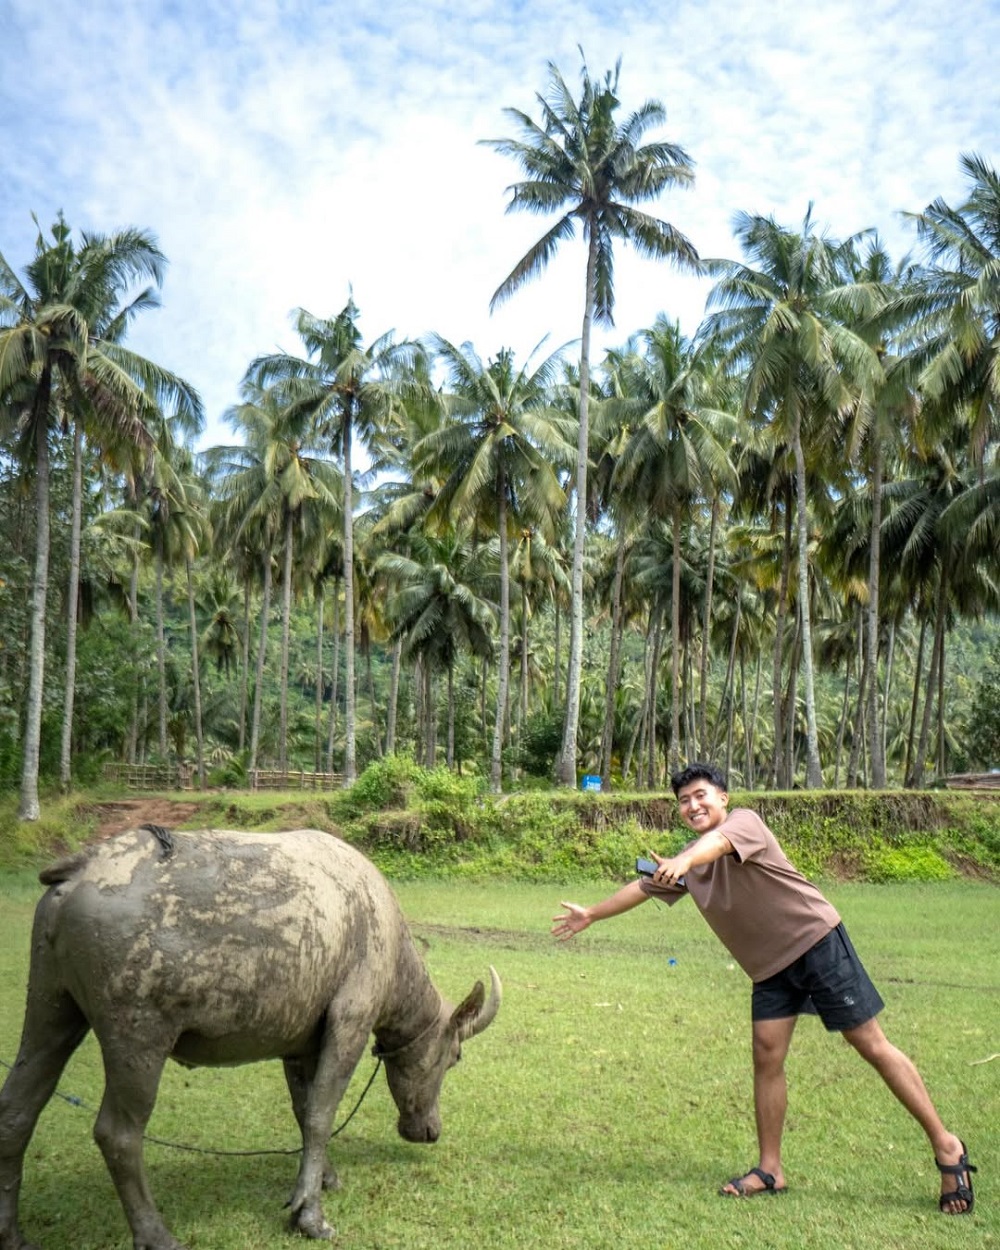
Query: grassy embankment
{"points": [[432, 824]]}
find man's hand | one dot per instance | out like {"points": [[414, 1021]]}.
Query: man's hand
{"points": [[670, 869], [573, 921]]}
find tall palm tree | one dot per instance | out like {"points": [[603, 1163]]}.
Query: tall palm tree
{"points": [[582, 162], [61, 355], [270, 483], [679, 454], [350, 392], [496, 455], [784, 321], [438, 609], [954, 308]]}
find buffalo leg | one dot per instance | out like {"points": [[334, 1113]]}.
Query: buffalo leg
{"points": [[53, 1028], [342, 1045], [299, 1074], [132, 1070]]}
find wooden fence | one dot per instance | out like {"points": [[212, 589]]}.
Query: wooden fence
{"points": [[973, 781], [293, 779], [181, 777], [150, 776]]}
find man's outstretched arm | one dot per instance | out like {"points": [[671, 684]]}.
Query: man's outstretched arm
{"points": [[576, 918]]}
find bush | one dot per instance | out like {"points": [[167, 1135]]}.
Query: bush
{"points": [[384, 784], [911, 863]]}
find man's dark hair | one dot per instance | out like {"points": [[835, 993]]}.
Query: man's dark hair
{"points": [[698, 772]]}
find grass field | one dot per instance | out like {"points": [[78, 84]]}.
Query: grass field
{"points": [[604, 1107]]}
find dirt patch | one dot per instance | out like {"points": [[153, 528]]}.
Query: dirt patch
{"points": [[116, 817]]}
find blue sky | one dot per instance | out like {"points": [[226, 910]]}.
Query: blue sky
{"points": [[284, 152]]}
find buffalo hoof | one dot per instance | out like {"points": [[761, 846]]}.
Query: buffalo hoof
{"points": [[310, 1222]]}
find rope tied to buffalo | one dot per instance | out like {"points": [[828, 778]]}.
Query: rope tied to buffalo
{"points": [[75, 1101]]}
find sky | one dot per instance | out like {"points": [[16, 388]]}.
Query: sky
{"points": [[291, 153]]}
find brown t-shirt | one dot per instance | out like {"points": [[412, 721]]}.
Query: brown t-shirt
{"points": [[762, 908]]}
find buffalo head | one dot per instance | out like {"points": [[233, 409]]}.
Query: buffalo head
{"points": [[416, 1069]]}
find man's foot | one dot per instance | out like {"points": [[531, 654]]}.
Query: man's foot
{"points": [[755, 1182], [956, 1180]]}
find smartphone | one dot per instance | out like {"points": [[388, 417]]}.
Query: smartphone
{"points": [[646, 868]]}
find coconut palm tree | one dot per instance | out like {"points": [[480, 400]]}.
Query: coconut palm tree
{"points": [[350, 392], [438, 609], [585, 164], [61, 355], [270, 484], [784, 321], [678, 454], [495, 455], [953, 309]]}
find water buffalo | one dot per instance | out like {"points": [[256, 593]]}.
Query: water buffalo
{"points": [[224, 948]]}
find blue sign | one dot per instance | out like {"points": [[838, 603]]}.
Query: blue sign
{"points": [[590, 782]]}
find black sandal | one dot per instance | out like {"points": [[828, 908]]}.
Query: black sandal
{"points": [[962, 1192], [764, 1177]]}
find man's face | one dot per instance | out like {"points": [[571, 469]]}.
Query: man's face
{"points": [[702, 805]]}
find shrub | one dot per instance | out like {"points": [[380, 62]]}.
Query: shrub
{"points": [[384, 784], [917, 862]]}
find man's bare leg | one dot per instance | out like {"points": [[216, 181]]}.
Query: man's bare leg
{"points": [[902, 1077], [771, 1039]]}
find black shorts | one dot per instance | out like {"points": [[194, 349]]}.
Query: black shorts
{"points": [[828, 979]]}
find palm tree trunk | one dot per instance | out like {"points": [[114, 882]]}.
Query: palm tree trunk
{"points": [[522, 709], [889, 666], [66, 746], [557, 651], [258, 693], [451, 714], [30, 808], [932, 684], [706, 634], [728, 698], [161, 647], [335, 674], [639, 734], [614, 663], [675, 643], [195, 676], [780, 615], [350, 694], [858, 731], [370, 680], [918, 668], [567, 767], [133, 617], [842, 727], [942, 751], [751, 777], [318, 722], [286, 625], [244, 665], [654, 670], [430, 722], [503, 675], [875, 741], [814, 770], [391, 712]]}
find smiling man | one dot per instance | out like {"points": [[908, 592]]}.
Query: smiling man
{"points": [[792, 944]]}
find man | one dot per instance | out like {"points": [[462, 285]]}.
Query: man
{"points": [[791, 943]]}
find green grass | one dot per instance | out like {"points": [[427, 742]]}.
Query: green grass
{"points": [[603, 1108]]}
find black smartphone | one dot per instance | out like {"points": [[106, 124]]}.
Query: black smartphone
{"points": [[645, 867]]}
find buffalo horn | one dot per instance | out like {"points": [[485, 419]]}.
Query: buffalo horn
{"points": [[484, 1016]]}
